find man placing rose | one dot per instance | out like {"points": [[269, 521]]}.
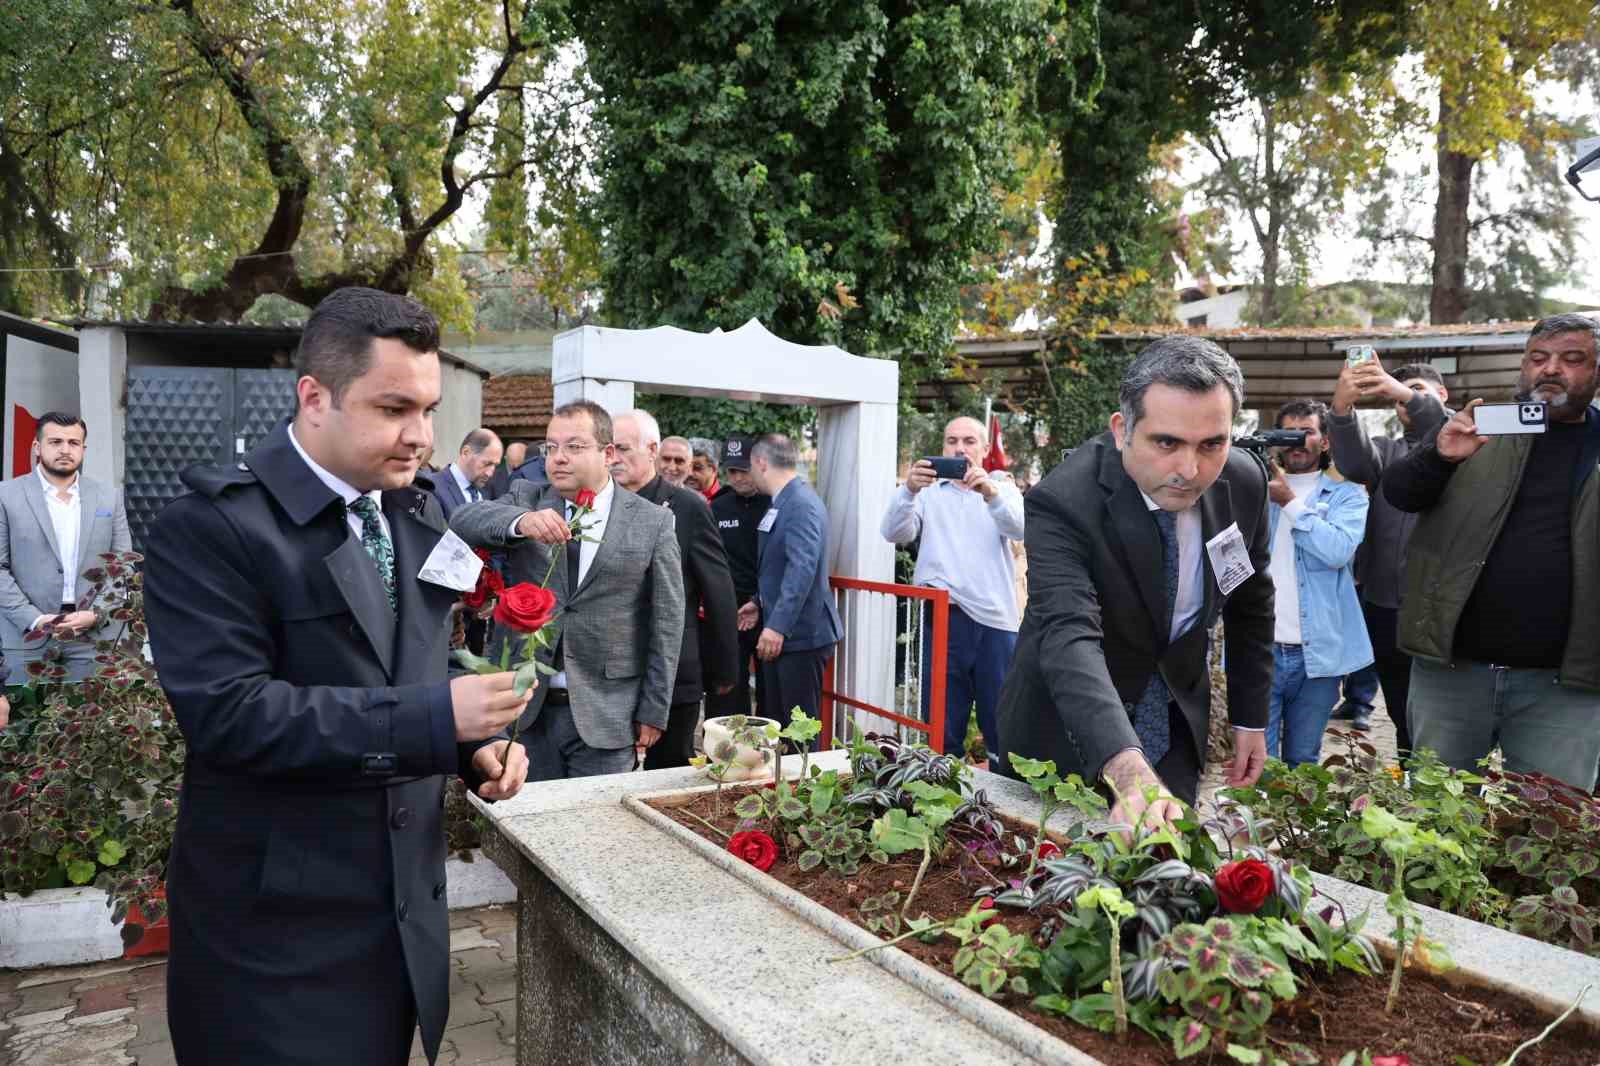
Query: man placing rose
{"points": [[618, 588]]}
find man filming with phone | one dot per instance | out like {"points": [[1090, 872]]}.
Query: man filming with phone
{"points": [[966, 517], [1503, 570]]}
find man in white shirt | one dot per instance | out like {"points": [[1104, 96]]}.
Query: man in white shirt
{"points": [[966, 528], [54, 525], [1319, 634]]}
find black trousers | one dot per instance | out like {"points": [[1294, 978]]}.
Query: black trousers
{"points": [[1179, 768], [676, 745], [1394, 668], [794, 679], [738, 701]]}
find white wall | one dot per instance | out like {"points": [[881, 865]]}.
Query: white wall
{"points": [[39, 378], [460, 410]]}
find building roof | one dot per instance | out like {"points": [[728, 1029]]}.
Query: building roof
{"points": [[38, 332], [521, 401], [1279, 364], [286, 332]]}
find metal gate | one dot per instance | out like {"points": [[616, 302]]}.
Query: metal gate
{"points": [[180, 417]]}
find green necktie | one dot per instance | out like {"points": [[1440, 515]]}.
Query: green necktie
{"points": [[377, 543]]}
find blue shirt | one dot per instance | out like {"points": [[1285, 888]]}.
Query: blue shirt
{"points": [[1326, 533]]}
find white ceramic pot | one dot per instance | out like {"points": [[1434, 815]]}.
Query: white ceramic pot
{"points": [[750, 762]]}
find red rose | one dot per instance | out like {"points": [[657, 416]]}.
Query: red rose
{"points": [[525, 608], [585, 498], [755, 848], [1391, 1060], [1243, 886], [1047, 849], [490, 584]]}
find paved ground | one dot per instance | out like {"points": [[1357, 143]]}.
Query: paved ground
{"points": [[114, 1013]]}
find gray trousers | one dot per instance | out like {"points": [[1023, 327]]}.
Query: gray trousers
{"points": [[1465, 710], [556, 751]]}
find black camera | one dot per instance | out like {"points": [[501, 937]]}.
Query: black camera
{"points": [[1271, 438]]}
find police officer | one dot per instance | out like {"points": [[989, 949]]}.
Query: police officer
{"points": [[738, 509]]}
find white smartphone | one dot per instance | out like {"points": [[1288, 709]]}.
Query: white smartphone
{"points": [[1498, 419]]}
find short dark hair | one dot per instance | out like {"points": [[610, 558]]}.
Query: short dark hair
{"points": [[599, 418], [1418, 372], [336, 344], [1192, 364], [1570, 322], [779, 451], [478, 440], [1307, 409], [62, 419]]}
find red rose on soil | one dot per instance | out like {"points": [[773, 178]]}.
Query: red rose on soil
{"points": [[585, 498], [1047, 849], [1390, 1060], [1243, 886], [755, 848], [525, 608]]}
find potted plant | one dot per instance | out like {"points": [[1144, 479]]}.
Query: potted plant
{"points": [[90, 771]]}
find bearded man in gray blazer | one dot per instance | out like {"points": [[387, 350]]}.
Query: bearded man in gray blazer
{"points": [[619, 591], [55, 524]]}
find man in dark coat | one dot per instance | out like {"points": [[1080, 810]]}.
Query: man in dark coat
{"points": [[304, 657], [710, 644], [738, 509], [1136, 542]]}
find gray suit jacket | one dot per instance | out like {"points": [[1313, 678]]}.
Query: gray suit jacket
{"points": [[30, 564], [623, 627]]}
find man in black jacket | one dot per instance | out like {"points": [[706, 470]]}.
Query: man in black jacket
{"points": [[710, 646], [1418, 394], [304, 657], [1136, 542], [738, 509]]}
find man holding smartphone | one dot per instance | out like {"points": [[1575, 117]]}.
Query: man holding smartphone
{"points": [[1503, 572], [966, 523]]}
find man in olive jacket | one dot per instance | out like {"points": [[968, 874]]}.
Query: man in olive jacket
{"points": [[1503, 574]]}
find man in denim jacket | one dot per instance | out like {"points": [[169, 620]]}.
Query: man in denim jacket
{"points": [[1320, 635]]}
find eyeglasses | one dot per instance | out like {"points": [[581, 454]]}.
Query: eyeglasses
{"points": [[572, 449]]}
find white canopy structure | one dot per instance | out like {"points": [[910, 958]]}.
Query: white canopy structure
{"points": [[857, 402]]}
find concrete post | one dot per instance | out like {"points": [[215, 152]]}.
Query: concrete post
{"points": [[102, 387]]}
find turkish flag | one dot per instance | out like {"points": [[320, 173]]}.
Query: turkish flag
{"points": [[996, 459]]}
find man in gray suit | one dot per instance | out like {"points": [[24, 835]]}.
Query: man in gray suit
{"points": [[54, 524], [619, 591]]}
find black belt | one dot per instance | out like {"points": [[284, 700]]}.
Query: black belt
{"points": [[557, 697]]}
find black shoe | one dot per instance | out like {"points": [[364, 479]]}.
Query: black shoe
{"points": [[1361, 721], [1346, 712]]}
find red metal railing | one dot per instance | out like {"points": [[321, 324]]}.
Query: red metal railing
{"points": [[937, 651]]}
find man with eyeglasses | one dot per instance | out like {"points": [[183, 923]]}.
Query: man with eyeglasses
{"points": [[619, 590]]}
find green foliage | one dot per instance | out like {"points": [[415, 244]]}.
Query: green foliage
{"points": [[829, 169], [89, 771], [695, 416]]}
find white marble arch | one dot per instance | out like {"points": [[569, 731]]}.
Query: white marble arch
{"points": [[857, 402]]}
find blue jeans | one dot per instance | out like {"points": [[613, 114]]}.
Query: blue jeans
{"points": [[1463, 711], [1361, 688], [975, 668], [1300, 706]]}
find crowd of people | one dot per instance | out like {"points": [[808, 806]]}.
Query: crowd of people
{"points": [[302, 632]]}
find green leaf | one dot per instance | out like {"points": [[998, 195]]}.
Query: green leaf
{"points": [[1189, 1037], [527, 676], [476, 663], [1247, 1055], [750, 806], [80, 871], [809, 860], [111, 852]]}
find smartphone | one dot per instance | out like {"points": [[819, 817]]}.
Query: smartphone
{"points": [[1497, 419], [1357, 354], [954, 468]]}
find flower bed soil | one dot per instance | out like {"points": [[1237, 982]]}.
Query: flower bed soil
{"points": [[1332, 1014]]}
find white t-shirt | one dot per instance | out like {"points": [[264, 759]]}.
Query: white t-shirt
{"points": [[1286, 630]]}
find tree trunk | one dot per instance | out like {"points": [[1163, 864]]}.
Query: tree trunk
{"points": [[1447, 303]]}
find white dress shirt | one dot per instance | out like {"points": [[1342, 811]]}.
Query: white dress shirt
{"points": [[594, 531], [464, 483], [1191, 597], [344, 490], [65, 520]]}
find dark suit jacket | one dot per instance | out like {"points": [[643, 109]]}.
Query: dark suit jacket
{"points": [[532, 470], [1097, 621], [792, 571], [710, 657], [319, 724], [448, 493]]}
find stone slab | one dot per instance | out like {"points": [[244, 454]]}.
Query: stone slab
{"points": [[476, 883], [752, 969], [57, 927]]}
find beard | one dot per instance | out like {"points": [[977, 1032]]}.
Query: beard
{"points": [[65, 466], [1300, 461], [1562, 403]]}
